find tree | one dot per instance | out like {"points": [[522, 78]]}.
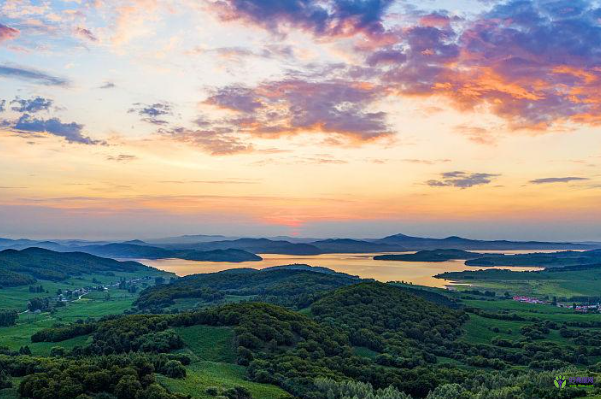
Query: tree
{"points": [[128, 387], [8, 318], [57, 351], [174, 369], [24, 350]]}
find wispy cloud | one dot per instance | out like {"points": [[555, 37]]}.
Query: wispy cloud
{"points": [[462, 179], [108, 85], [551, 180], [32, 75], [122, 158], [215, 142]]}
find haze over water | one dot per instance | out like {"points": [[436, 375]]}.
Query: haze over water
{"points": [[362, 265]]}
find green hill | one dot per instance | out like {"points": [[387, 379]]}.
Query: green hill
{"points": [[23, 267], [294, 286]]}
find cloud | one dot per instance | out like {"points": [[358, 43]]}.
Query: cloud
{"points": [[236, 98], [534, 63], [294, 105], [2, 105], [108, 85], [86, 34], [71, 132], [7, 33], [152, 113], [476, 134], [215, 142], [122, 158], [321, 18], [462, 179], [32, 105], [550, 180], [32, 75]]}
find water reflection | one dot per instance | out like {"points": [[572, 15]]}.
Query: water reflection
{"points": [[361, 265]]}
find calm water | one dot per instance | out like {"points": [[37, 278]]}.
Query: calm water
{"points": [[361, 265]]}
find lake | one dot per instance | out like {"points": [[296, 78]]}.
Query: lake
{"points": [[362, 265]]}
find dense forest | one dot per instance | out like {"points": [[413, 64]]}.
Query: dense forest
{"points": [[293, 285]]}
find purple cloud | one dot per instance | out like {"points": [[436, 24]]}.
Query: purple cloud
{"points": [[86, 34], [71, 132], [32, 75], [322, 18], [7, 33], [551, 180], [32, 105], [462, 179], [294, 105], [533, 63], [152, 113]]}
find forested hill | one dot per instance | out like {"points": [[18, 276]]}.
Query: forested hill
{"points": [[24, 267], [293, 285], [382, 317]]}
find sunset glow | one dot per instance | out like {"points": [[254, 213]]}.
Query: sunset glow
{"points": [[150, 118]]}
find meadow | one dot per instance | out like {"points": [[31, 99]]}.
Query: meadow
{"points": [[214, 365]]}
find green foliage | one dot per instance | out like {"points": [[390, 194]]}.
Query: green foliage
{"points": [[132, 333], [124, 376], [12, 279], [8, 318], [385, 318], [285, 286], [330, 389], [174, 369], [4, 380], [62, 333], [515, 385]]}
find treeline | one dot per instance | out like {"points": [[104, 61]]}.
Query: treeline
{"points": [[285, 286], [62, 333], [12, 279], [130, 376]]}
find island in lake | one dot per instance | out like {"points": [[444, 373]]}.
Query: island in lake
{"points": [[435, 255]]}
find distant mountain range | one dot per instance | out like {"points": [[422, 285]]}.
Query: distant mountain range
{"points": [[219, 248]]}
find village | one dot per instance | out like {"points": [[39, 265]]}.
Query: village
{"points": [[63, 296], [589, 308]]}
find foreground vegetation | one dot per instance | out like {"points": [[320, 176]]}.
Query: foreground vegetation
{"points": [[287, 332]]}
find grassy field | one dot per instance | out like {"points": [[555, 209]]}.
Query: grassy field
{"points": [[559, 284], [29, 323], [213, 353], [482, 330], [93, 305], [17, 297], [528, 310]]}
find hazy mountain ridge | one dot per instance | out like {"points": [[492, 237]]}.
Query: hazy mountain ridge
{"points": [[203, 247]]}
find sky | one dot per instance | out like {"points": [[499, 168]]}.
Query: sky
{"points": [[313, 118]]}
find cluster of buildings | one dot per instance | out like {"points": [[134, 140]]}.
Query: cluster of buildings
{"points": [[577, 308], [527, 299]]}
